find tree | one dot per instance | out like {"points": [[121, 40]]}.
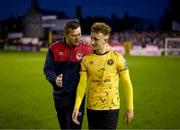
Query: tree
{"points": [[171, 13]]}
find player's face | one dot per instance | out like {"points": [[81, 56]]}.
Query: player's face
{"points": [[98, 41], [73, 37]]}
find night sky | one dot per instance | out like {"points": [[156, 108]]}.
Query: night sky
{"points": [[151, 9]]}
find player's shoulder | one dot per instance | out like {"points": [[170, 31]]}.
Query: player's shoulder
{"points": [[56, 43], [116, 54], [83, 43], [85, 47], [87, 56]]}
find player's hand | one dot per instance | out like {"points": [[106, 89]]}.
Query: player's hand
{"points": [[75, 115], [128, 115], [59, 80]]}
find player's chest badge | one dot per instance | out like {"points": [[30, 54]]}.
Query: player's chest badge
{"points": [[60, 53], [110, 62], [79, 56]]}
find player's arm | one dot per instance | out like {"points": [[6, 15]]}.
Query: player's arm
{"points": [[81, 89], [127, 85], [124, 75], [49, 68]]}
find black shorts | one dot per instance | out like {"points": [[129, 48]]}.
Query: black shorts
{"points": [[105, 119]]}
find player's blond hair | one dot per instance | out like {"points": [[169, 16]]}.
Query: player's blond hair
{"points": [[101, 27]]}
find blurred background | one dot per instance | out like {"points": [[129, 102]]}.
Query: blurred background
{"points": [[146, 32], [137, 26]]}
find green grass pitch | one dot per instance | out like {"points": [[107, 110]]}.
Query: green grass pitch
{"points": [[26, 97]]}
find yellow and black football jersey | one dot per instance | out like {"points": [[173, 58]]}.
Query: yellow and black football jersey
{"points": [[103, 73]]}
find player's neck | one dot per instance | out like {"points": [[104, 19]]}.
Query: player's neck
{"points": [[104, 50]]}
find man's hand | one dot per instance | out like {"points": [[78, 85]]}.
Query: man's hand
{"points": [[59, 80], [128, 115], [75, 115]]}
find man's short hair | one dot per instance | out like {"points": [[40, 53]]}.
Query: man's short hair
{"points": [[72, 24], [101, 27]]}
